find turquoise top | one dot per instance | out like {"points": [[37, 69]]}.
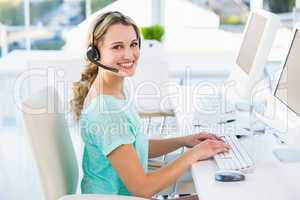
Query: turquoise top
{"points": [[105, 124]]}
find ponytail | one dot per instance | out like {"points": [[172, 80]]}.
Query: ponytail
{"points": [[81, 88]]}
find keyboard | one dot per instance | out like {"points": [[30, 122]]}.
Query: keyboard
{"points": [[237, 158]]}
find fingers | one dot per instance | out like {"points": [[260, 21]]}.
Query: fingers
{"points": [[219, 138], [222, 147], [212, 136], [210, 147], [219, 146]]}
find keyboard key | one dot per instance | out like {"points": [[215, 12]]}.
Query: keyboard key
{"points": [[237, 158]]}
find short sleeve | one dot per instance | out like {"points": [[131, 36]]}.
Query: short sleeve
{"points": [[107, 131]]}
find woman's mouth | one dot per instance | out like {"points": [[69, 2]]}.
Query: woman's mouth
{"points": [[126, 65]]}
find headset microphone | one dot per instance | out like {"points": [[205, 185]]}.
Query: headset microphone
{"points": [[105, 67]]}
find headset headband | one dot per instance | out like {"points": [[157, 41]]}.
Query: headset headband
{"points": [[103, 17]]}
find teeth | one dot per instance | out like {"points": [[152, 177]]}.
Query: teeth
{"points": [[127, 65]]}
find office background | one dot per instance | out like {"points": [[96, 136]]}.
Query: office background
{"points": [[35, 32]]}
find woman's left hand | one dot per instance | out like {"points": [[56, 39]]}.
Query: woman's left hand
{"points": [[192, 140]]}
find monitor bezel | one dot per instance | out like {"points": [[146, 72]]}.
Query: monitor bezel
{"points": [[295, 31], [258, 12], [248, 80]]}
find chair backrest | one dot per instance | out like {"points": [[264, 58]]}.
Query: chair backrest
{"points": [[51, 143], [60, 71]]}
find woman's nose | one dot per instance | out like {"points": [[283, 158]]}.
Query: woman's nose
{"points": [[129, 53]]}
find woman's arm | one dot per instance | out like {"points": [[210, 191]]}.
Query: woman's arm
{"points": [[159, 147], [125, 161]]}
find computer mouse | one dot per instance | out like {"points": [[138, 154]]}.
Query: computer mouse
{"points": [[229, 176]]}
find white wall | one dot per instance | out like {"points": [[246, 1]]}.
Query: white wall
{"points": [[256, 4], [175, 14]]}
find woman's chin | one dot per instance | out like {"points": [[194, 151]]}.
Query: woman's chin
{"points": [[128, 72]]}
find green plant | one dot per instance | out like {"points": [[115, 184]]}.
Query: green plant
{"points": [[280, 6], [154, 32]]}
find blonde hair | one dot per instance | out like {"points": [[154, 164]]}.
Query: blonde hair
{"points": [[90, 70]]}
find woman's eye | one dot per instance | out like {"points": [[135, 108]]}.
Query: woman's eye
{"points": [[117, 47], [134, 44]]}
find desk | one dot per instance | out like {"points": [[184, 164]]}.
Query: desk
{"points": [[270, 180]]}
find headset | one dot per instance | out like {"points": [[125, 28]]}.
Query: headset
{"points": [[93, 53]]}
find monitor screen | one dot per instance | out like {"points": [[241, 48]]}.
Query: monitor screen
{"points": [[287, 90], [251, 41]]}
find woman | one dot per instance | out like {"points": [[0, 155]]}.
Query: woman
{"points": [[116, 148]]}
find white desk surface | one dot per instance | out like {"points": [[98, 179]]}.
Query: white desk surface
{"points": [[270, 180]]}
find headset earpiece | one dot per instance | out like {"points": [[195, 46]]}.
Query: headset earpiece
{"points": [[92, 53]]}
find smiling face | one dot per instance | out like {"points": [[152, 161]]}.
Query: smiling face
{"points": [[120, 49]]}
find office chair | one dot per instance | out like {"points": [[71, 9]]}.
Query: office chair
{"points": [[52, 148]]}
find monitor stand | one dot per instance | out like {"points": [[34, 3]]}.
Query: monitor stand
{"points": [[243, 106]]}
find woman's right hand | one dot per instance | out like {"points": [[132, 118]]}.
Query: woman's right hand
{"points": [[207, 149]]}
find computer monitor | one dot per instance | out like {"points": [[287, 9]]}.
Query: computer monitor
{"points": [[257, 41], [287, 92]]}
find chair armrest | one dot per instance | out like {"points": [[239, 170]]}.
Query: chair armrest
{"points": [[157, 114], [99, 197]]}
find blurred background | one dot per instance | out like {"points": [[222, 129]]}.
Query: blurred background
{"points": [[50, 20], [42, 43]]}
